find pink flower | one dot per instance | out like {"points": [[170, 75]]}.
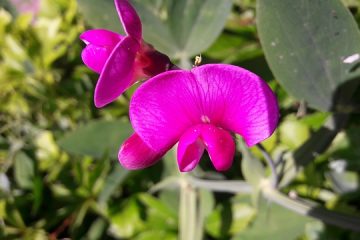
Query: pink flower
{"points": [[29, 6], [120, 60], [200, 109]]}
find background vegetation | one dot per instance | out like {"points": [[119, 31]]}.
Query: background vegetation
{"points": [[59, 174]]}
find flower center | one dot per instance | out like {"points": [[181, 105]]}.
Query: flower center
{"points": [[205, 119]]}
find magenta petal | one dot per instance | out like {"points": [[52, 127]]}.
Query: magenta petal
{"points": [[129, 18], [161, 109], [135, 154], [238, 100], [117, 73], [190, 149], [220, 146], [95, 57], [100, 43], [101, 37]]}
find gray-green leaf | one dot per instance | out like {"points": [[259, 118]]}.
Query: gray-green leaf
{"points": [[97, 138], [311, 46]]}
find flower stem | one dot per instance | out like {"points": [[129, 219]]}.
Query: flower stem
{"points": [[311, 209], [231, 186], [188, 211], [296, 204]]}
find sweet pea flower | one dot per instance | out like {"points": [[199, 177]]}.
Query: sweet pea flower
{"points": [[198, 109], [120, 60]]}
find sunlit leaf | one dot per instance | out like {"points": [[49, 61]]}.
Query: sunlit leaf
{"points": [[24, 170], [33, 233], [343, 182], [315, 120], [126, 222], [241, 213], [156, 234], [218, 223], [293, 133]]}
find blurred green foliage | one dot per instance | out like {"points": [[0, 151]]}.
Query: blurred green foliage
{"points": [[59, 176]]}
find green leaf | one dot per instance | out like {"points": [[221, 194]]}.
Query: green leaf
{"points": [[171, 197], [308, 45], [38, 193], [219, 221], [96, 178], [155, 205], [112, 183], [156, 234], [275, 221], [24, 170], [251, 167], [155, 29], [343, 148], [127, 222], [97, 138], [159, 215], [80, 214], [315, 120], [33, 233], [315, 145], [343, 182], [238, 215], [293, 133], [100, 14], [96, 229], [235, 47], [242, 214], [315, 231], [171, 168], [200, 23], [13, 216]]}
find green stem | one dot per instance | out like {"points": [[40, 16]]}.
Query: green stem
{"points": [[311, 209], [271, 164], [187, 215], [231, 186], [182, 214], [185, 62], [298, 205], [126, 97]]}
